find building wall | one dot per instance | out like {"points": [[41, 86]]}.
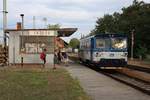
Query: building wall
{"points": [[15, 56], [59, 42]]}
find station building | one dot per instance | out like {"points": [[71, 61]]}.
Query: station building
{"points": [[29, 43]]}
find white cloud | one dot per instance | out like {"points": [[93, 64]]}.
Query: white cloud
{"points": [[70, 13]]}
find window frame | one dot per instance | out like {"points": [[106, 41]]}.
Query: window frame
{"points": [[21, 42]]}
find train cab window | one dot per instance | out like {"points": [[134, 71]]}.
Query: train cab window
{"points": [[119, 43], [102, 43]]}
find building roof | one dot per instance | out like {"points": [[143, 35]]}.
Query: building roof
{"points": [[62, 32], [66, 32]]}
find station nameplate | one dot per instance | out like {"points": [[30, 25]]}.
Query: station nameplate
{"points": [[39, 33]]}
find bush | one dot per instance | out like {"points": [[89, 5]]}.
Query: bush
{"points": [[141, 51]]}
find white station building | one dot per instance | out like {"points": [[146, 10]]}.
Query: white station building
{"points": [[29, 43]]}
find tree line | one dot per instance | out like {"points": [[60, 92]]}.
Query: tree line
{"points": [[134, 18]]}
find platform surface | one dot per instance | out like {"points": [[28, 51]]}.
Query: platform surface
{"points": [[101, 87]]}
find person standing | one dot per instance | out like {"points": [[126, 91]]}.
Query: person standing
{"points": [[43, 57], [65, 58], [59, 55], [55, 57]]}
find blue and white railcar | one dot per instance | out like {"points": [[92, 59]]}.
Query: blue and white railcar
{"points": [[105, 50]]}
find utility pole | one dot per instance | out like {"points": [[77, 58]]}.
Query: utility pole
{"points": [[34, 22], [5, 25], [45, 22], [132, 43]]}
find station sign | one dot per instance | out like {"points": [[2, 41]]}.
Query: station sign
{"points": [[38, 33]]}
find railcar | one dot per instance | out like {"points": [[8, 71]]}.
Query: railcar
{"points": [[104, 50]]}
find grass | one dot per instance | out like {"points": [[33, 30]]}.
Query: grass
{"points": [[39, 84]]}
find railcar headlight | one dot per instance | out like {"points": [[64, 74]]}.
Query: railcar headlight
{"points": [[98, 54], [125, 54]]}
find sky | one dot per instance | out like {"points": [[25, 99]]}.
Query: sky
{"points": [[81, 14]]}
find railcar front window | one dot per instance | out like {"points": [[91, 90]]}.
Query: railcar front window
{"points": [[102, 43], [118, 43]]}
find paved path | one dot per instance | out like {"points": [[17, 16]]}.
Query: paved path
{"points": [[101, 87]]}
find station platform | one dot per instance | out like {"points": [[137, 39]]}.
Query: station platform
{"points": [[101, 87]]}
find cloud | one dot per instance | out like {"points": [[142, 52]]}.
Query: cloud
{"points": [[70, 13]]}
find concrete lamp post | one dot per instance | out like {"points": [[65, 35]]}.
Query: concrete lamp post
{"points": [[22, 18], [22, 27]]}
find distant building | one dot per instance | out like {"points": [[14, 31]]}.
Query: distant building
{"points": [[29, 43]]}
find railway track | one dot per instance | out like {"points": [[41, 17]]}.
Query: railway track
{"points": [[139, 68], [136, 83], [143, 76], [122, 76], [134, 76]]}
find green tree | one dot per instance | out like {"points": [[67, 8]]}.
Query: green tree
{"points": [[53, 26], [108, 24], [141, 51], [74, 43], [104, 25], [135, 17]]}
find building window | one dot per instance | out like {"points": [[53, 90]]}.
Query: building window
{"points": [[35, 44]]}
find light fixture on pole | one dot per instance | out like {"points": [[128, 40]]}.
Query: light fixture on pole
{"points": [[22, 18]]}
